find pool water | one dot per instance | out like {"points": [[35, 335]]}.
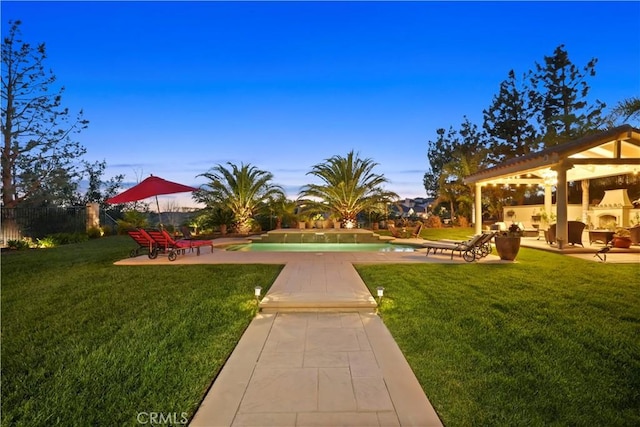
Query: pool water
{"points": [[320, 247]]}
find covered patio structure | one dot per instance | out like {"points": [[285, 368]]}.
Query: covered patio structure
{"points": [[610, 153]]}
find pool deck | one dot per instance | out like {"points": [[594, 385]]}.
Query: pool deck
{"points": [[317, 354]]}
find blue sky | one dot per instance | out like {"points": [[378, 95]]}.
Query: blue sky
{"points": [[174, 88]]}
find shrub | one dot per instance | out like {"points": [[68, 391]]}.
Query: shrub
{"points": [[19, 245], [433, 221], [463, 221], [67, 238], [94, 232], [132, 219], [47, 242]]}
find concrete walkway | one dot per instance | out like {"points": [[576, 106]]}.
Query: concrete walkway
{"points": [[316, 369], [317, 355], [318, 284]]}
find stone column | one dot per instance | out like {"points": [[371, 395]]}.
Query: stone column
{"points": [[585, 201], [548, 201], [562, 201], [478, 208], [93, 215]]}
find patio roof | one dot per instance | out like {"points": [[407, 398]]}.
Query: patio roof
{"points": [[613, 152]]}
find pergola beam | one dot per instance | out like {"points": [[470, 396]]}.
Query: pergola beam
{"points": [[514, 181], [601, 161]]}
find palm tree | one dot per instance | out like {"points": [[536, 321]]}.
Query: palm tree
{"points": [[240, 189], [284, 210], [627, 109], [348, 187]]}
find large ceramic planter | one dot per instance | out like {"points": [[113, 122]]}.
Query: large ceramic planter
{"points": [[621, 242], [507, 247]]}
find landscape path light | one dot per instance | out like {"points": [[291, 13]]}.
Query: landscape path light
{"points": [[258, 291]]}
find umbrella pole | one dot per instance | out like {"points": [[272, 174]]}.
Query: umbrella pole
{"points": [[159, 217]]}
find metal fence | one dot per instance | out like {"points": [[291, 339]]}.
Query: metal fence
{"points": [[36, 223]]}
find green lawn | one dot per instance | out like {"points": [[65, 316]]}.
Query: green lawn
{"points": [[549, 340], [85, 342]]}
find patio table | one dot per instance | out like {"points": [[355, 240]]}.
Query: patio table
{"points": [[602, 236]]}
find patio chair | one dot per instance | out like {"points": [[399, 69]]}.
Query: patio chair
{"points": [[635, 234], [186, 233], [144, 241], [416, 232], [575, 229], [166, 243], [574, 233], [394, 231], [469, 250]]}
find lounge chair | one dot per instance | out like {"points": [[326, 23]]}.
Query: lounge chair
{"points": [[166, 243], [416, 232], [186, 233], [477, 247], [394, 231], [144, 241], [404, 233]]}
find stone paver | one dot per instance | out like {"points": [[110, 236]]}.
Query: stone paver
{"points": [[318, 285], [316, 369]]}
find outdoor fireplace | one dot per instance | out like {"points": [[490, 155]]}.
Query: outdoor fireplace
{"points": [[613, 210]]}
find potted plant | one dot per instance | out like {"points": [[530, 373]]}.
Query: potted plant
{"points": [[302, 221], [547, 218], [621, 238], [318, 220], [535, 217], [508, 242]]}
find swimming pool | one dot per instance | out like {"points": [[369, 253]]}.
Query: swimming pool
{"points": [[320, 247]]}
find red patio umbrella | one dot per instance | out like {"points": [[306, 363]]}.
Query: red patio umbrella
{"points": [[150, 187]]}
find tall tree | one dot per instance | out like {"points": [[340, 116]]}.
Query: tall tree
{"points": [[468, 155], [37, 149], [83, 185], [241, 189], [349, 186], [509, 121], [560, 92], [439, 153]]}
